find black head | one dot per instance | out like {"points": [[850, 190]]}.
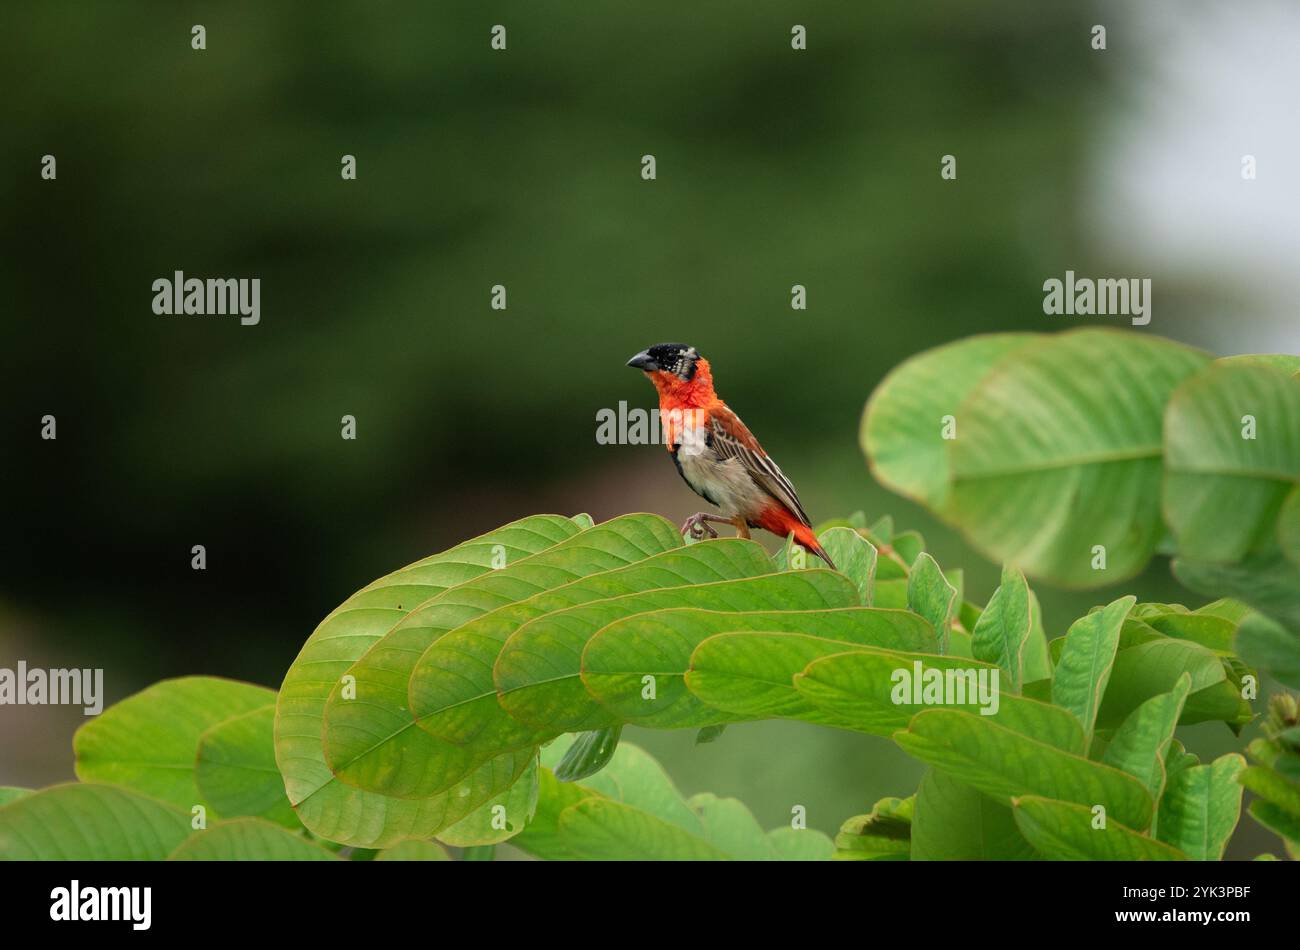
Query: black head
{"points": [[676, 358]]}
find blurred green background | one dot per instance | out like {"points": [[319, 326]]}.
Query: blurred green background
{"points": [[521, 168]]}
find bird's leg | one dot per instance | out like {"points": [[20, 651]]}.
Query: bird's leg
{"points": [[742, 527], [697, 525]]}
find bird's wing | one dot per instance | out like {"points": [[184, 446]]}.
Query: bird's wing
{"points": [[731, 439]]}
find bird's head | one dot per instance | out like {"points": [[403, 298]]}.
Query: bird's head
{"points": [[678, 371], [673, 359]]}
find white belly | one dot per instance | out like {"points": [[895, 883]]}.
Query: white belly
{"points": [[725, 484]]}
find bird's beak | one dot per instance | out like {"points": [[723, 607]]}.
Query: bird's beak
{"points": [[643, 361]]}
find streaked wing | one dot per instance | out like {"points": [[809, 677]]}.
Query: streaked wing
{"points": [[731, 439]]}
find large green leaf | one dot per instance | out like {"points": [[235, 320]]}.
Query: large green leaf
{"points": [[88, 822], [236, 771], [349, 815], [903, 426], [637, 668], [1007, 764], [1058, 453], [452, 691], [954, 822], [1225, 484], [876, 692], [1065, 831], [249, 839], [1086, 659], [148, 742], [1200, 808], [554, 676], [371, 740]]}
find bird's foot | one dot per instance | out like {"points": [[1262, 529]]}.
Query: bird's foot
{"points": [[697, 525]]}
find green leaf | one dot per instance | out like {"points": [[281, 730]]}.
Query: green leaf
{"points": [[1058, 450], [637, 668], [1086, 658], [499, 819], [148, 742], [1266, 645], [954, 822], [1003, 630], [883, 835], [908, 546], [590, 752], [903, 426], [350, 815], [249, 839], [554, 676], [930, 595], [631, 810], [1266, 579], [875, 692], [1155, 667], [1288, 527], [1064, 831], [414, 850], [371, 740], [854, 557], [1200, 808], [541, 837], [598, 829], [452, 688], [11, 793], [236, 772], [1006, 765], [89, 822], [1143, 740], [750, 675], [1282, 823], [1210, 631], [708, 734], [1223, 490], [800, 844]]}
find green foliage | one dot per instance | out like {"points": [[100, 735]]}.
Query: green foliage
{"points": [[1275, 776], [1075, 456], [549, 626], [148, 742]]}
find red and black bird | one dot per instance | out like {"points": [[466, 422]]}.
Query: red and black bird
{"points": [[717, 455]]}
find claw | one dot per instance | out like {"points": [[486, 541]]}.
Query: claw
{"points": [[697, 526]]}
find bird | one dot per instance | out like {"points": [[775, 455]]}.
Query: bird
{"points": [[717, 455]]}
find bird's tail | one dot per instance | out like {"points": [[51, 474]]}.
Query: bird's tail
{"points": [[805, 536]]}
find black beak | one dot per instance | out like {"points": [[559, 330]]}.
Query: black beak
{"points": [[643, 361]]}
